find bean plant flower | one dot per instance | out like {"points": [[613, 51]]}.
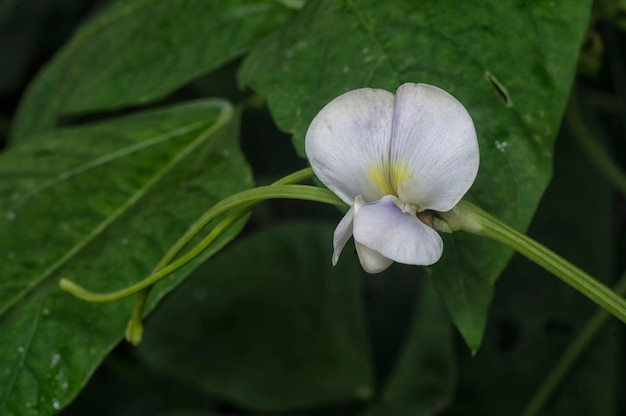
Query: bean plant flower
{"points": [[394, 160]]}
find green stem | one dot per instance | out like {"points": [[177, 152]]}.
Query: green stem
{"points": [[134, 329], [255, 195], [613, 174], [202, 222], [466, 216], [571, 355]]}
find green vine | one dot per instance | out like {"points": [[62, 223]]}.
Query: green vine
{"points": [[468, 217]]}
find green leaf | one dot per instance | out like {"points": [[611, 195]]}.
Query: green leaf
{"points": [[423, 379], [269, 325], [100, 205], [536, 316], [137, 51], [510, 63], [6, 7]]}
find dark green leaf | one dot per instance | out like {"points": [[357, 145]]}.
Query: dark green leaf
{"points": [[510, 63], [137, 51], [424, 377], [29, 33], [268, 325], [536, 316], [100, 205], [6, 8]]}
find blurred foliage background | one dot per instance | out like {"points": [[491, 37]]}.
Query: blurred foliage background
{"points": [[533, 319]]}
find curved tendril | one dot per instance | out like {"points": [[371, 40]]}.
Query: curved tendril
{"points": [[243, 200]]}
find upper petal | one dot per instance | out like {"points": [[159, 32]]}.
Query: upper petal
{"points": [[347, 143], [434, 151], [397, 235]]}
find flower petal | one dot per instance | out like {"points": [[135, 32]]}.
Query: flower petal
{"points": [[384, 227], [372, 261], [342, 234], [434, 152], [347, 143]]}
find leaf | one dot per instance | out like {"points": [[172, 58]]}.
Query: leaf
{"points": [[137, 51], [423, 379], [100, 205], [536, 317], [510, 63], [268, 325], [29, 35], [6, 7]]}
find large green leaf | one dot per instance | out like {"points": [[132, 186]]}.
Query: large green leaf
{"points": [[230, 334], [137, 51], [510, 63], [268, 325], [100, 205], [6, 7], [536, 317], [423, 379]]}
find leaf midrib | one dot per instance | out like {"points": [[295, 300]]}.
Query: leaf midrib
{"points": [[123, 152], [20, 363]]}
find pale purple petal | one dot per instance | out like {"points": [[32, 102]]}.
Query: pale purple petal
{"points": [[434, 152], [372, 261], [384, 227], [347, 144]]}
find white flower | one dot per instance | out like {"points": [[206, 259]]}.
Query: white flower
{"points": [[391, 158]]}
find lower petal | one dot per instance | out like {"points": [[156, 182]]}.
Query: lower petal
{"points": [[372, 261], [342, 234], [400, 236]]}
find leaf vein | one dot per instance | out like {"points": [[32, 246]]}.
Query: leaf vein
{"points": [[24, 351], [117, 213], [63, 176]]}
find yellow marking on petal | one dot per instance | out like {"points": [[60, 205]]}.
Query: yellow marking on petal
{"points": [[379, 176], [388, 177], [399, 172]]}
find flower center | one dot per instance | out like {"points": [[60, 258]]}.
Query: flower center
{"points": [[388, 175], [408, 208], [416, 211]]}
